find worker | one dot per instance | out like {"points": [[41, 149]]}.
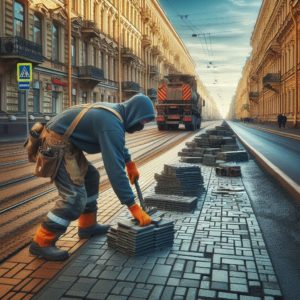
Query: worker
{"points": [[98, 131]]}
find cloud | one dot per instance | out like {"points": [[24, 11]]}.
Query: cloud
{"points": [[246, 3]]}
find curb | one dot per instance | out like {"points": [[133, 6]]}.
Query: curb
{"points": [[287, 183]]}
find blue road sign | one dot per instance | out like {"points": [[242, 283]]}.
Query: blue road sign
{"points": [[24, 72], [24, 85]]}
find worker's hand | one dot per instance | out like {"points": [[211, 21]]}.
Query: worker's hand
{"points": [[132, 172], [143, 218]]}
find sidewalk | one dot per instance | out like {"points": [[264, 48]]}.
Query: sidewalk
{"points": [[219, 252], [288, 131]]}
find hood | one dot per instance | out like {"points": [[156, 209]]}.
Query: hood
{"points": [[137, 108]]}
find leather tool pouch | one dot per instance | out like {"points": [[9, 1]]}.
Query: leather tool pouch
{"points": [[34, 141], [50, 155]]}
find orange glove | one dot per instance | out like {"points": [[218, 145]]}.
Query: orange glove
{"points": [[143, 218], [132, 172]]}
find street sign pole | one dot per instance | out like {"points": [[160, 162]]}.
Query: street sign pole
{"points": [[24, 77], [26, 112]]}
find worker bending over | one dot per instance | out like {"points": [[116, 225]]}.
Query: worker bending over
{"points": [[101, 129]]}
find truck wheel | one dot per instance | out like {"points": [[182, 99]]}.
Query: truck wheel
{"points": [[189, 127], [161, 127]]}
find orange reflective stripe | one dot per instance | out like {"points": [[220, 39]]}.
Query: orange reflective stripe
{"points": [[87, 220], [44, 237], [162, 92], [186, 92]]}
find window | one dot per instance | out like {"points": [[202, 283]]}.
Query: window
{"points": [[95, 56], [74, 96], [37, 29], [56, 102], [84, 97], [94, 97], [36, 97], [84, 54], [73, 51], [19, 22], [21, 101], [55, 44]]}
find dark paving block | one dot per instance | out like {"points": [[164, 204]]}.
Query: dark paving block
{"points": [[190, 283], [157, 280], [168, 293], [115, 297], [140, 293], [103, 286], [51, 293], [161, 270]]}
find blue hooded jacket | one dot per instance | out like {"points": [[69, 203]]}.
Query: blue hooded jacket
{"points": [[100, 131]]}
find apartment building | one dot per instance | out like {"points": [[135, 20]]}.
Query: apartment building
{"points": [[273, 77], [82, 52]]}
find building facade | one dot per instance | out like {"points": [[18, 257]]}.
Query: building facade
{"points": [[273, 77], [83, 52]]}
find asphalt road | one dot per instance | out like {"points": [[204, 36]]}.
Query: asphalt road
{"points": [[277, 212], [281, 151]]}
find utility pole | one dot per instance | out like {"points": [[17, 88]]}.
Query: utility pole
{"points": [[70, 54], [119, 53], [296, 56]]}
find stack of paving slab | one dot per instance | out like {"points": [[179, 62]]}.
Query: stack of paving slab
{"points": [[228, 170], [215, 147], [177, 188], [133, 240]]}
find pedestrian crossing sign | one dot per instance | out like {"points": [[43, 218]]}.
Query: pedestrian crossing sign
{"points": [[24, 72]]}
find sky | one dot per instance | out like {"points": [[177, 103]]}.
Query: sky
{"points": [[217, 35]]}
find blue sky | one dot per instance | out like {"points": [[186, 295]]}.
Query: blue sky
{"points": [[221, 43]]}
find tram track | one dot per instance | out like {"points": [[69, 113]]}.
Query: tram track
{"points": [[23, 209]]}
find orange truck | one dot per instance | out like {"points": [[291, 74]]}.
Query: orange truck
{"points": [[178, 103]]}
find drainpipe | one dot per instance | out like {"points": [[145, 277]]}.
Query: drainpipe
{"points": [[70, 54], [296, 65], [119, 53]]}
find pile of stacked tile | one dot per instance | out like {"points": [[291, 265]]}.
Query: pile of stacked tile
{"points": [[192, 154], [213, 148], [229, 147], [209, 159], [129, 238], [177, 187], [228, 170], [239, 156], [180, 178]]}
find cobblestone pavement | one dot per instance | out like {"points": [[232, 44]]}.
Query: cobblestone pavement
{"points": [[218, 252]]}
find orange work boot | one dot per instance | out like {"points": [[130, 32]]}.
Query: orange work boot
{"points": [[88, 226], [43, 245]]}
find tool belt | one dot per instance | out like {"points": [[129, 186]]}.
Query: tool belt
{"points": [[47, 149]]}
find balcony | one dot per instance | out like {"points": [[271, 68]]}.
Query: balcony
{"points": [[18, 48], [152, 93], [146, 41], [153, 70], [130, 86], [128, 55], [271, 81], [253, 96], [273, 51], [156, 51], [90, 76], [89, 29]]}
